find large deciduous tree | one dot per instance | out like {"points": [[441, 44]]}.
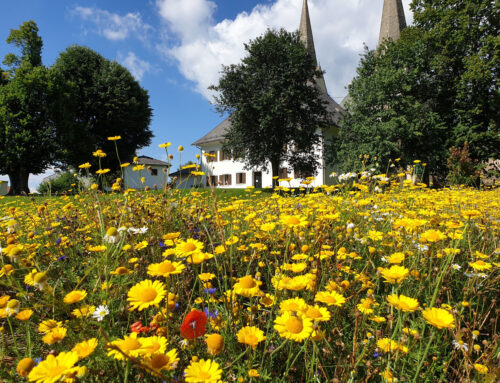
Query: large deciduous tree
{"points": [[433, 89], [104, 100], [274, 108], [27, 98]]}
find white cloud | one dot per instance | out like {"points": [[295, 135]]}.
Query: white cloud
{"points": [[113, 26], [135, 65], [340, 28]]}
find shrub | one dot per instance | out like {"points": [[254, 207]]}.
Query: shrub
{"points": [[62, 183]]}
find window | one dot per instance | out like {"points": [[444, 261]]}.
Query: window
{"points": [[241, 178], [283, 173], [212, 180], [225, 179], [302, 174], [154, 172], [225, 156]]}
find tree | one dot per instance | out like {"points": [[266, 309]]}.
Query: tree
{"points": [[275, 111], [27, 96], [103, 100], [463, 37], [433, 89], [391, 110]]}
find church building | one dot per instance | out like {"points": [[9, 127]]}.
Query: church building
{"points": [[222, 170]]}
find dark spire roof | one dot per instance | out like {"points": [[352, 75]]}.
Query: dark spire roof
{"points": [[306, 36], [393, 20]]}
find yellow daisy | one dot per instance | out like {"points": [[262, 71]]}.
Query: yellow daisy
{"points": [[294, 327], [74, 296], [331, 298], [145, 294], [251, 336], [85, 348], [247, 286], [203, 371], [165, 268], [439, 318]]}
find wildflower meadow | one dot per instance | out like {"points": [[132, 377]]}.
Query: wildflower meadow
{"points": [[373, 279]]}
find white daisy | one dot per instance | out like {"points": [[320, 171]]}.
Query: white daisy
{"points": [[100, 312]]}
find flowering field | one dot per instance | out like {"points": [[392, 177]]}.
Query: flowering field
{"points": [[333, 285]]}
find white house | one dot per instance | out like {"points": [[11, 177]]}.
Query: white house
{"points": [[227, 172], [154, 174]]}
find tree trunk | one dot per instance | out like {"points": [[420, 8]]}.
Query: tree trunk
{"points": [[19, 182], [275, 167]]}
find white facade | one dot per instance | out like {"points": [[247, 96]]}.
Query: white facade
{"points": [[154, 175], [230, 173]]}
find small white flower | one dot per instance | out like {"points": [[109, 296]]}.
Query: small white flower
{"points": [[141, 230], [456, 267], [384, 259], [350, 225], [100, 312], [460, 345]]}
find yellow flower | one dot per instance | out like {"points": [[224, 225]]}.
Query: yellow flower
{"points": [[145, 294], [121, 271], [48, 325], [403, 303], [365, 306], [186, 248], [25, 366], [432, 236], [439, 318], [114, 138], [83, 312], [294, 327], [55, 335], [86, 165], [253, 373], [251, 336], [331, 298], [165, 145], [24, 315], [161, 361], [375, 235], [293, 221], [247, 287], [54, 368], [130, 345], [396, 258], [215, 344], [103, 171], [74, 296], [203, 371], [395, 274], [317, 313], [387, 345], [153, 344], [480, 265], [481, 368], [85, 348], [165, 268]]}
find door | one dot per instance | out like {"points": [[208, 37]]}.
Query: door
{"points": [[257, 179]]}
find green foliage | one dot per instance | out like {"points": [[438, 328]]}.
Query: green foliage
{"points": [[27, 100], [62, 183], [436, 87], [103, 100], [272, 104]]}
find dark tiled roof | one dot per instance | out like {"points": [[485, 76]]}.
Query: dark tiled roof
{"points": [[216, 134], [145, 160]]}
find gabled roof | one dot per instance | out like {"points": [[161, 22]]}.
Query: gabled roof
{"points": [[145, 160], [216, 134]]}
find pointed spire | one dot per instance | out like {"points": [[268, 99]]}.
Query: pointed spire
{"points": [[306, 36], [393, 20], [305, 30]]}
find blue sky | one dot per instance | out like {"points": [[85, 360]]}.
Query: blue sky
{"points": [[176, 48]]}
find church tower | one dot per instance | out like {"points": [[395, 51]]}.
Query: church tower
{"points": [[393, 20], [306, 36]]}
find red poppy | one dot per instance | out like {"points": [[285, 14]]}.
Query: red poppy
{"points": [[194, 325]]}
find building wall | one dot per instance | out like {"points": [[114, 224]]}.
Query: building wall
{"points": [[132, 180], [232, 167], [4, 187]]}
